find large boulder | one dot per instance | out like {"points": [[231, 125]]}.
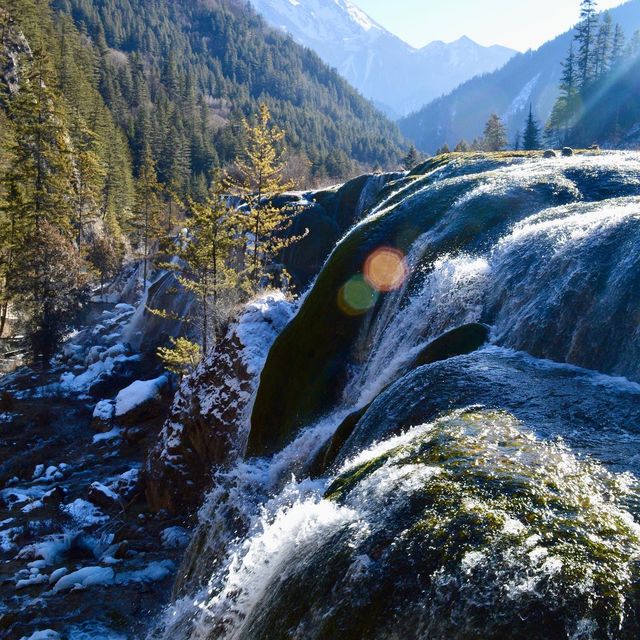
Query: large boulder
{"points": [[140, 402], [461, 206]]}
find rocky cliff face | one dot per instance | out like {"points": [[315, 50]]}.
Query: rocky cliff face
{"points": [[208, 425], [13, 44]]}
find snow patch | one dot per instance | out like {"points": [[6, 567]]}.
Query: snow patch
{"points": [[104, 410], [84, 513], [83, 578]]}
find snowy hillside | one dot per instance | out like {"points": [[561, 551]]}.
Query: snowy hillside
{"points": [[397, 77]]}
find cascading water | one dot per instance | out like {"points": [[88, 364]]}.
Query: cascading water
{"points": [[491, 495]]}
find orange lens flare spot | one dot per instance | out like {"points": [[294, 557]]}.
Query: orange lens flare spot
{"points": [[386, 269], [356, 296]]}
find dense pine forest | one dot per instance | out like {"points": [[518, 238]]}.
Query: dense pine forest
{"points": [[116, 115], [181, 75]]}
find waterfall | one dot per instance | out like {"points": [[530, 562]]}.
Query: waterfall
{"points": [[471, 496]]}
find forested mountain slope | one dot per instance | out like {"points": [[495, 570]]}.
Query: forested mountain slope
{"points": [[529, 78], [182, 74]]}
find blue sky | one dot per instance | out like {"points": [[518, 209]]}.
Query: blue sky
{"points": [[514, 23]]}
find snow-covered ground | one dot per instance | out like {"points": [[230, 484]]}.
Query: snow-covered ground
{"points": [[80, 556]]}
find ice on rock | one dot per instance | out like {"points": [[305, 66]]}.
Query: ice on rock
{"points": [[138, 393], [124, 308], [57, 574], [33, 580], [155, 572], [109, 435]]}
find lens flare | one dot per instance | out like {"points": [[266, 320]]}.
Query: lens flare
{"points": [[357, 296], [386, 269]]}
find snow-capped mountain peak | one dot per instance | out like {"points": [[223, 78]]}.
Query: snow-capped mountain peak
{"points": [[388, 71]]}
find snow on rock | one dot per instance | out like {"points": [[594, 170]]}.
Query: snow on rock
{"points": [[125, 485], [175, 538], [138, 394], [104, 411], [84, 513], [71, 383], [103, 496], [47, 634], [209, 418], [86, 577]]}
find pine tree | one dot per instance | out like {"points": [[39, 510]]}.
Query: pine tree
{"points": [[148, 215], [105, 256], [42, 168], [495, 134], [586, 38], [181, 357], [462, 147], [566, 109], [633, 49], [412, 159], [618, 48], [531, 138], [208, 262], [257, 178], [51, 290], [604, 47]]}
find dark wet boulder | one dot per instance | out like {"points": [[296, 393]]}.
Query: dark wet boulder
{"points": [[54, 496], [318, 233], [567, 152], [321, 218], [329, 452], [103, 497], [457, 342], [501, 380], [550, 153]]}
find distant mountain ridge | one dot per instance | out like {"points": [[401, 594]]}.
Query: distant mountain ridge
{"points": [[528, 78], [395, 76]]}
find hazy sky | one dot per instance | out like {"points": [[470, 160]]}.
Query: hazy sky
{"points": [[514, 23]]}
